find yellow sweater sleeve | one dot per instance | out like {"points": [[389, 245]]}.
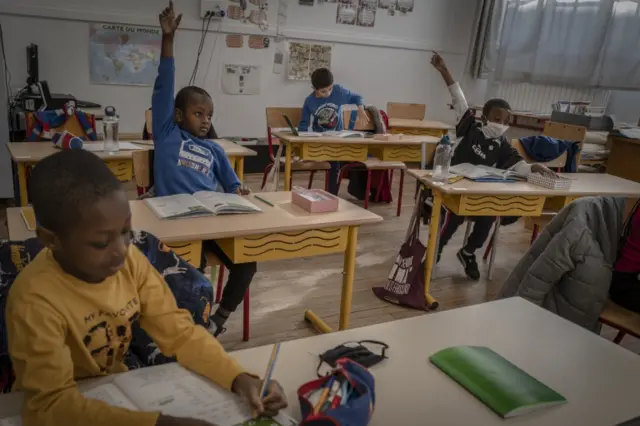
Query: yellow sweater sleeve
{"points": [[174, 331], [44, 371]]}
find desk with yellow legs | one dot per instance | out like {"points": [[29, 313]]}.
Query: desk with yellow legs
{"points": [[468, 198], [418, 127], [27, 154], [282, 231], [415, 149]]}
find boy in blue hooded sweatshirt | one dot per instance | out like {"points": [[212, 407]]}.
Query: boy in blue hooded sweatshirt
{"points": [[187, 161], [322, 111]]}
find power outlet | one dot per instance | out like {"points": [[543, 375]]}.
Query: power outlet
{"points": [[212, 8]]}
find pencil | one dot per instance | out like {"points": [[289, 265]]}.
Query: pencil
{"points": [[264, 201], [270, 368], [325, 393]]}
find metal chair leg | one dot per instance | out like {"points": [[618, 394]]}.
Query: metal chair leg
{"points": [[494, 247]]}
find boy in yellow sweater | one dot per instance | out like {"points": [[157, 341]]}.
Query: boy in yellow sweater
{"points": [[70, 311]]}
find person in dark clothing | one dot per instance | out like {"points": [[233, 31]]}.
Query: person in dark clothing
{"points": [[625, 282], [482, 143]]}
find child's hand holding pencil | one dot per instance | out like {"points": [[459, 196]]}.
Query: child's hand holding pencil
{"points": [[265, 397]]}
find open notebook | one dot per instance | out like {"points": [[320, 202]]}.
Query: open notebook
{"points": [[485, 173], [331, 133], [177, 392], [203, 203]]}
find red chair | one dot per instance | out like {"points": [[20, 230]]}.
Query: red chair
{"points": [[373, 164], [275, 120]]}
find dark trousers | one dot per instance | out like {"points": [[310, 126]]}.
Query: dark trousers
{"points": [[333, 177], [481, 228], [240, 276], [625, 290]]}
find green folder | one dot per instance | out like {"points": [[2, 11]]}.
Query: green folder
{"points": [[502, 386]]}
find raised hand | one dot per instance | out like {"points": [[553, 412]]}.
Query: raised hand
{"points": [[169, 22], [438, 63]]}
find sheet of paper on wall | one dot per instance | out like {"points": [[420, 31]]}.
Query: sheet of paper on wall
{"points": [[278, 61], [405, 6], [241, 79], [304, 58], [235, 41], [386, 4], [366, 15], [258, 42], [235, 12], [283, 12], [347, 13]]}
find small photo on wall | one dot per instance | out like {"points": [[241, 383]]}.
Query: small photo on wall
{"points": [[371, 4], [347, 12], [405, 6], [386, 4], [366, 16], [306, 2]]}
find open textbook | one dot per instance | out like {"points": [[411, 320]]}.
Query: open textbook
{"points": [[203, 203], [177, 392], [485, 173]]}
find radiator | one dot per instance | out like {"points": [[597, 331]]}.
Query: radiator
{"points": [[539, 97]]}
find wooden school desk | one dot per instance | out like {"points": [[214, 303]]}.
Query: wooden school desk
{"points": [[624, 157], [121, 164], [468, 198], [325, 148], [599, 379], [406, 126], [280, 232]]}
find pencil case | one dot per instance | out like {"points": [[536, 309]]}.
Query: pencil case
{"points": [[356, 410]]}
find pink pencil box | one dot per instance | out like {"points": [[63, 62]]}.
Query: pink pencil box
{"points": [[314, 200]]}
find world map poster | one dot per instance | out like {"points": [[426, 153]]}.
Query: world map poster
{"points": [[123, 54]]}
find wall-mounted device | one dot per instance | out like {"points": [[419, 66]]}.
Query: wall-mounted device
{"points": [[213, 9]]}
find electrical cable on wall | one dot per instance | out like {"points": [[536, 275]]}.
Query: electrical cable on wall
{"points": [[215, 42], [203, 37], [7, 73]]}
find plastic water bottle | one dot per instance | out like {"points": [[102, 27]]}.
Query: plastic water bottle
{"points": [[110, 125], [442, 160]]}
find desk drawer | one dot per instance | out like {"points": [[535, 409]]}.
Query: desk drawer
{"points": [[285, 245], [123, 169], [404, 153], [494, 205], [438, 133], [190, 251], [330, 152]]}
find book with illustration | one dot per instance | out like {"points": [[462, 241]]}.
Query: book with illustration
{"points": [[203, 203]]}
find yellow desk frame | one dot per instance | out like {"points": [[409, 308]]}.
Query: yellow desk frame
{"points": [[122, 168], [480, 205], [290, 245]]}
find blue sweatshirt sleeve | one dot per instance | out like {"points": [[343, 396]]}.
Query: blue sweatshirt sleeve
{"points": [[162, 103], [224, 172], [348, 97], [305, 119]]}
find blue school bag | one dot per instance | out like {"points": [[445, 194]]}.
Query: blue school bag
{"points": [[357, 410]]}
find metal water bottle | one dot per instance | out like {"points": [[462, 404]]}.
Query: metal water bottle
{"points": [[110, 126]]}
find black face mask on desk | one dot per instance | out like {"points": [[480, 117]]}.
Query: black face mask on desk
{"points": [[355, 351]]}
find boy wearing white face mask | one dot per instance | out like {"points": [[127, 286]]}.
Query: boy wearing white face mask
{"points": [[482, 143]]}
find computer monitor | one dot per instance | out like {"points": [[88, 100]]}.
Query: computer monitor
{"points": [[45, 95]]}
